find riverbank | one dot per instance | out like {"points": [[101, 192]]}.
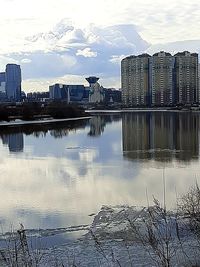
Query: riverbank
{"points": [[39, 122], [95, 111], [118, 236], [39, 111]]}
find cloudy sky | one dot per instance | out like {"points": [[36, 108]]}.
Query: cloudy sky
{"points": [[64, 40]]}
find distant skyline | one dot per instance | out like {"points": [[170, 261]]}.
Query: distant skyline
{"points": [[62, 41]]}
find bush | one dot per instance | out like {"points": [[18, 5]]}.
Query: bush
{"points": [[61, 110], [189, 205], [3, 114]]}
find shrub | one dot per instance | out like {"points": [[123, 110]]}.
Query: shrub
{"points": [[189, 205]]}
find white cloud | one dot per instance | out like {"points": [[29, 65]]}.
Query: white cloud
{"points": [[26, 61], [89, 38], [158, 21], [86, 52], [88, 155], [68, 50], [174, 47], [34, 187], [116, 59], [5, 60], [69, 61], [30, 85]]}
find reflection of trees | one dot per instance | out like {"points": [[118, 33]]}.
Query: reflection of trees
{"points": [[98, 123], [160, 136], [13, 137], [59, 133], [39, 134]]}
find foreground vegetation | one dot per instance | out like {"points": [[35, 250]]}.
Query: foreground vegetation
{"points": [[35, 110], [167, 238]]}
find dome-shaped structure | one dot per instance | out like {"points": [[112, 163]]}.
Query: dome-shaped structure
{"points": [[92, 80]]}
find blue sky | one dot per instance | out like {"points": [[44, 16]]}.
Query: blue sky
{"points": [[64, 40]]}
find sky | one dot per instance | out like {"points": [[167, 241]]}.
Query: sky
{"points": [[64, 40]]}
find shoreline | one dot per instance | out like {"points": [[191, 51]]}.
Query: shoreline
{"points": [[138, 110], [38, 122], [121, 228]]}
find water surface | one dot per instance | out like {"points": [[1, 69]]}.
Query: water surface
{"points": [[55, 176]]}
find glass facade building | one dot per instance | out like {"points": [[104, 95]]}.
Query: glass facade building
{"points": [[71, 93], [13, 82]]}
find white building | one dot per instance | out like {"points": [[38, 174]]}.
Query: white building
{"points": [[96, 94]]}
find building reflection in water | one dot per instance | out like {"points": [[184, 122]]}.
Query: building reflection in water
{"points": [[15, 141], [14, 137], [160, 136], [98, 123]]}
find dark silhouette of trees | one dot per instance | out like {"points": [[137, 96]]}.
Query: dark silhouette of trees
{"points": [[36, 110]]}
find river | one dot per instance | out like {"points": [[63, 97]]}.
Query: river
{"points": [[54, 177]]}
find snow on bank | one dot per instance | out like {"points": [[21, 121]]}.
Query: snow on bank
{"points": [[42, 121], [118, 237]]}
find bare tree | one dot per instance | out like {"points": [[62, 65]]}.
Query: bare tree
{"points": [[189, 205]]}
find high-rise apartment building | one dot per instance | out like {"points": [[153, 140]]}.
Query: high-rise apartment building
{"points": [[186, 65], [162, 79], [199, 82], [135, 80], [13, 82]]}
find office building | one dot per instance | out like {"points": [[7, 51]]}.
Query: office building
{"points": [[186, 66], [2, 82], [78, 93], [198, 83], [13, 82], [36, 96], [135, 80], [55, 91], [71, 93], [58, 91], [2, 86], [162, 79], [112, 95]]}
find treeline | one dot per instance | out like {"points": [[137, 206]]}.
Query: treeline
{"points": [[58, 129], [35, 110]]}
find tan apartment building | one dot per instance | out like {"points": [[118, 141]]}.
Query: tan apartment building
{"points": [[186, 68], [162, 84], [135, 80], [160, 80]]}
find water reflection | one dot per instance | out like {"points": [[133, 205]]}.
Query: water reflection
{"points": [[161, 136], [63, 173], [98, 123], [14, 141], [14, 137]]}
